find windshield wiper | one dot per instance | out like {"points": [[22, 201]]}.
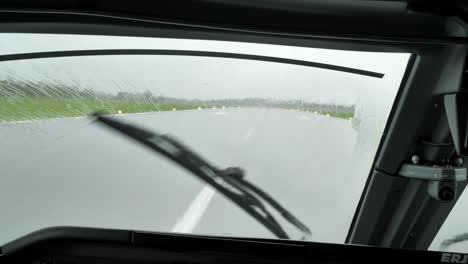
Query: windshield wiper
{"points": [[230, 182], [446, 243]]}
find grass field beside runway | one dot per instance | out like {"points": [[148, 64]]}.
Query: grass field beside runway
{"points": [[41, 108], [29, 108]]}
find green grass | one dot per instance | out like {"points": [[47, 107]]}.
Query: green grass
{"points": [[21, 108], [344, 115], [13, 109]]}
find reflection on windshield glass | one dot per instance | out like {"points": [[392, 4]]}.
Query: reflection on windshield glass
{"points": [[306, 136]]}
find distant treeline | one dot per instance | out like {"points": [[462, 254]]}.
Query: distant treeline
{"points": [[56, 89]]}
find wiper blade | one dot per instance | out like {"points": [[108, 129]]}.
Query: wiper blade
{"points": [[230, 182], [197, 53]]}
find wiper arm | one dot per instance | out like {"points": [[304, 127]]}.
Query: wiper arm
{"points": [[230, 182]]}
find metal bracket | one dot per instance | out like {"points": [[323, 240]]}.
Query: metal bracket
{"points": [[432, 173], [442, 181]]}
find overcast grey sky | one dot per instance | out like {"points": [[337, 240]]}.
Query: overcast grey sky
{"points": [[201, 77]]}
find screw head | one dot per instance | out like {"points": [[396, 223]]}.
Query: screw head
{"points": [[415, 159]]}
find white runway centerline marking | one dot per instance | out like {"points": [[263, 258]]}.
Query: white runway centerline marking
{"points": [[193, 215], [249, 133]]}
